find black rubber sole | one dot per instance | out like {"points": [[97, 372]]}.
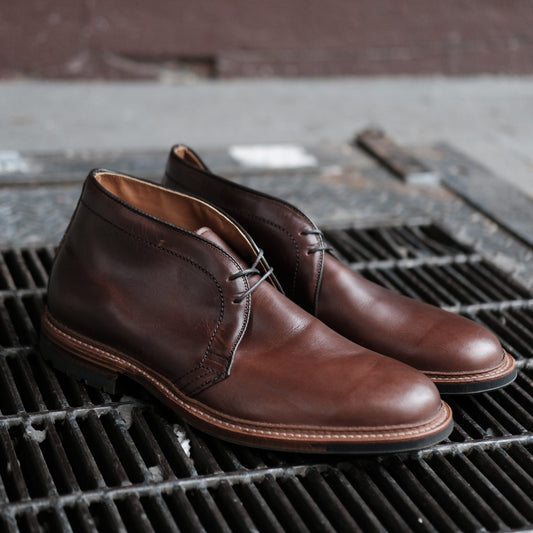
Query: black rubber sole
{"points": [[477, 387]]}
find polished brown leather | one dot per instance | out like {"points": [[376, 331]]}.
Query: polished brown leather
{"points": [[460, 355], [143, 286]]}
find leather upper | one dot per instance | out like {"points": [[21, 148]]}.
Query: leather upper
{"points": [[141, 272], [432, 340]]}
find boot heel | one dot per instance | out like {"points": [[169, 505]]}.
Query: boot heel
{"points": [[89, 373]]}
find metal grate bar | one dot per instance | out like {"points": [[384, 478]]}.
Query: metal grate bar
{"points": [[513, 328], [347, 247], [364, 482], [352, 501], [33, 466], [513, 495], [463, 505], [484, 491], [232, 508], [281, 506], [207, 510], [182, 511], [118, 463], [410, 483], [80, 518], [19, 275], [260, 512], [159, 514], [106, 515], [133, 515]]}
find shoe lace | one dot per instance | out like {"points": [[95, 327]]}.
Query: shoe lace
{"points": [[247, 272], [322, 248]]}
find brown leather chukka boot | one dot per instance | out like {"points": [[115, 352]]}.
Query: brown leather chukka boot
{"points": [[458, 354], [164, 289]]}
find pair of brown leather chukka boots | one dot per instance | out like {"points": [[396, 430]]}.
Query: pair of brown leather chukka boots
{"points": [[228, 306]]}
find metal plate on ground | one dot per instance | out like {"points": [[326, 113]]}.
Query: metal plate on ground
{"points": [[75, 459]]}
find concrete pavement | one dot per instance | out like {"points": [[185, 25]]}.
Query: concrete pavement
{"points": [[489, 118]]}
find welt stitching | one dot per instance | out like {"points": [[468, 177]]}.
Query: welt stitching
{"points": [[183, 258]]}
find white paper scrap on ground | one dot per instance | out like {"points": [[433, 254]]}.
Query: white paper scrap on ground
{"points": [[182, 439], [272, 156], [12, 161]]}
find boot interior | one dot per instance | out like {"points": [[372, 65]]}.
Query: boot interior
{"points": [[177, 208]]}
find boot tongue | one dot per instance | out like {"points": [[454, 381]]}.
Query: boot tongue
{"points": [[210, 235]]}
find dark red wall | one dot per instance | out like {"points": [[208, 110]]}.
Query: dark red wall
{"points": [[135, 39]]}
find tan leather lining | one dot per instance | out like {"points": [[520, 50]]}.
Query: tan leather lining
{"points": [[184, 153], [174, 207]]}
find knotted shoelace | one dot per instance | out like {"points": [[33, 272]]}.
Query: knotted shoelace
{"points": [[247, 272]]}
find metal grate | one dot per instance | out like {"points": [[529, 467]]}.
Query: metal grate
{"points": [[73, 458]]}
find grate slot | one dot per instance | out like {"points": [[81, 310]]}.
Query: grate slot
{"points": [[6, 282], [22, 323], [33, 466], [281, 506], [403, 242], [408, 481], [465, 290], [258, 509], [8, 524], [397, 497], [46, 256], [328, 502], [347, 247], [116, 426], [158, 514], [423, 288], [376, 247], [26, 384], [109, 463], [148, 447], [8, 334], [10, 469], [165, 435], [235, 514], [182, 511], [28, 523], [493, 499], [485, 424], [49, 387], [57, 461], [18, 271], [80, 518], [79, 455], [352, 501], [308, 509], [54, 519], [133, 515], [514, 502], [106, 516], [394, 243], [503, 282], [206, 509], [363, 481], [434, 477], [35, 267], [10, 399], [489, 286], [204, 460], [512, 328], [33, 305]]}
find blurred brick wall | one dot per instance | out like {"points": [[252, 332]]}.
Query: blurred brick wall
{"points": [[146, 39]]}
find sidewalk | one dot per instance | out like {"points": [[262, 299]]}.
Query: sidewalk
{"points": [[488, 118]]}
